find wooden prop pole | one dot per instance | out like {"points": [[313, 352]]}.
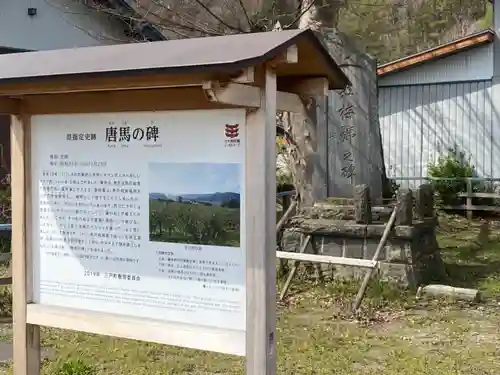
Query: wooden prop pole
{"points": [[369, 273]]}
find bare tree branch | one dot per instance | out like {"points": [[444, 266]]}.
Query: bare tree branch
{"points": [[192, 18], [302, 10], [243, 8], [218, 18]]}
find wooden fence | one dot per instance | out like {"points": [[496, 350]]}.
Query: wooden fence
{"points": [[468, 195]]}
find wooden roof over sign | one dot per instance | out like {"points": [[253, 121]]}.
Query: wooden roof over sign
{"points": [[220, 54]]}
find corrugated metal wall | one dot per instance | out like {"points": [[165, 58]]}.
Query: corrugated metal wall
{"points": [[419, 122]]}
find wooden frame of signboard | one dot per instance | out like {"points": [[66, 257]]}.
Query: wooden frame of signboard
{"points": [[286, 68]]}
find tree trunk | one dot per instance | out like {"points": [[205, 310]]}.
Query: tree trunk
{"points": [[304, 155], [302, 127]]}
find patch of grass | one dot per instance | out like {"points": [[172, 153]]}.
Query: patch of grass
{"points": [[76, 367], [471, 253], [396, 336], [393, 335]]}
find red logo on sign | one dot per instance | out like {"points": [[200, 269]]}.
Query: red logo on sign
{"points": [[232, 131]]}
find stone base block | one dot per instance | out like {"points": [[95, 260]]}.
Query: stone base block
{"points": [[407, 262]]}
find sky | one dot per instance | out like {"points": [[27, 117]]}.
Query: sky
{"points": [[194, 178]]}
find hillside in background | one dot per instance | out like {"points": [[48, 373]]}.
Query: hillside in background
{"points": [[385, 29], [213, 198], [390, 29], [217, 199]]}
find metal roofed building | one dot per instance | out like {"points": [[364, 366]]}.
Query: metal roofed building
{"points": [[440, 98]]}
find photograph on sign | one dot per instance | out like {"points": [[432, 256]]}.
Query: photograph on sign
{"points": [[141, 214], [195, 203]]}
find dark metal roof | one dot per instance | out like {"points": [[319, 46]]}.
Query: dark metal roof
{"points": [[439, 52], [216, 54]]}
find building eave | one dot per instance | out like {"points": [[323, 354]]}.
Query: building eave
{"points": [[436, 53]]}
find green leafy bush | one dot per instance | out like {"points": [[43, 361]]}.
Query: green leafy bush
{"points": [[77, 367], [455, 166]]}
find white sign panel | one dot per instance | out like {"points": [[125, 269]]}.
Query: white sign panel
{"points": [[139, 214]]}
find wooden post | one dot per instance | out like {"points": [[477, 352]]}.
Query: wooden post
{"points": [[26, 345], [469, 199], [260, 181]]}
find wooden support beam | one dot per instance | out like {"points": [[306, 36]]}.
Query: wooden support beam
{"points": [[9, 106], [326, 259], [248, 76], [182, 98], [26, 337], [71, 85], [310, 87], [290, 56], [260, 238], [241, 95], [166, 333]]}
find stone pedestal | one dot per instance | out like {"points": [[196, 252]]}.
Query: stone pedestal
{"points": [[410, 257]]}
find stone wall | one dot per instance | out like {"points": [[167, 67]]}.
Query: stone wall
{"points": [[353, 229]]}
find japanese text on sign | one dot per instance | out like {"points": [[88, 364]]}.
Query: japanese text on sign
{"points": [[81, 137], [93, 209], [126, 133]]}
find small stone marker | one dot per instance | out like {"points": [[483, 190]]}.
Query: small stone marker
{"points": [[362, 204], [404, 211], [424, 203]]}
